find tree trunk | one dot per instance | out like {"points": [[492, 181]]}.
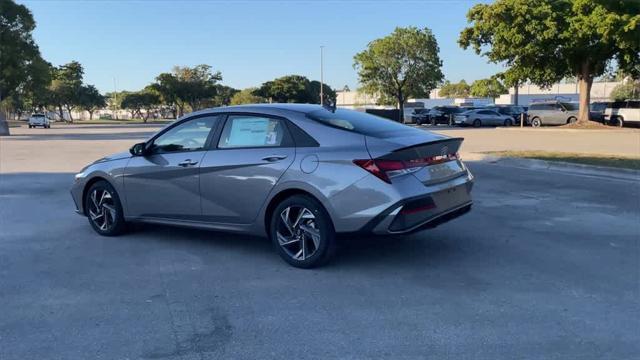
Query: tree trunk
{"points": [[401, 107], [516, 93], [585, 80], [60, 112], [70, 116], [90, 114], [4, 126]]}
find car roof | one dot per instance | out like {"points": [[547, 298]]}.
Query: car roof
{"points": [[266, 108]]}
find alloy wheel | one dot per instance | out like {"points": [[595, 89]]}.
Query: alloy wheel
{"points": [[298, 233], [102, 209]]}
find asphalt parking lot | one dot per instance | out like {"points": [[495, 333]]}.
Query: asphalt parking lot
{"points": [[544, 266]]}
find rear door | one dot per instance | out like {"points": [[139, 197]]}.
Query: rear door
{"points": [[250, 156]]}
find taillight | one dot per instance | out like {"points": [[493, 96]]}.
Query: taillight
{"points": [[386, 169]]}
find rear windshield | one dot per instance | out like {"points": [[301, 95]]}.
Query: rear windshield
{"points": [[37, 115], [358, 122]]}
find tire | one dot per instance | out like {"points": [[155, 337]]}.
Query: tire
{"points": [[104, 210], [30, 127], [618, 121], [290, 239], [507, 123], [477, 123], [536, 122], [571, 120]]}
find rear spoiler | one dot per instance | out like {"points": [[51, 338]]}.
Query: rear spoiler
{"points": [[440, 147]]}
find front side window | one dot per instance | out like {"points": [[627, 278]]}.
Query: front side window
{"points": [[190, 135], [243, 131]]}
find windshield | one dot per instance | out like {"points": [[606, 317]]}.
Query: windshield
{"points": [[359, 122]]}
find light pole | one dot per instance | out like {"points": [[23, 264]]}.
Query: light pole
{"points": [[321, 75]]}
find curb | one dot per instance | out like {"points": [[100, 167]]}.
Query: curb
{"points": [[558, 166]]}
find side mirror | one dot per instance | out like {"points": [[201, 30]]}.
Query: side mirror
{"points": [[139, 149]]}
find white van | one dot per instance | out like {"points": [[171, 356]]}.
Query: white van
{"points": [[620, 113], [39, 120]]}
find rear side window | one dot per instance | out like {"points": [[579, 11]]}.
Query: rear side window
{"points": [[635, 104], [249, 131], [358, 122], [535, 107]]}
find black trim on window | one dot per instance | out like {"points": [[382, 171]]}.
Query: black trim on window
{"points": [[300, 137], [207, 143]]}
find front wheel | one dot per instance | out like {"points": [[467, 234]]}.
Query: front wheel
{"points": [[571, 120], [535, 122], [507, 123], [302, 232], [104, 210], [477, 123]]}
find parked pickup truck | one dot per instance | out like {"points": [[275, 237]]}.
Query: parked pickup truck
{"points": [[39, 120]]}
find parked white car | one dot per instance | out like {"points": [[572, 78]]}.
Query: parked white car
{"points": [[39, 120], [620, 113]]}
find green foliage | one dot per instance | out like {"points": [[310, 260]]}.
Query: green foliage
{"points": [[64, 91], [286, 89], [90, 99], [401, 65], [455, 90], [184, 86], [491, 87], [147, 99], [295, 89], [19, 54], [247, 96], [223, 95], [544, 41], [629, 90]]}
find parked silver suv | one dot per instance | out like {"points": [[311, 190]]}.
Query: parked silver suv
{"points": [[552, 113]]}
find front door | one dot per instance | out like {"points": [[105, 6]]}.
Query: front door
{"points": [[165, 182], [237, 176]]}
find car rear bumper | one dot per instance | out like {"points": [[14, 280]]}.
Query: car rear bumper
{"points": [[428, 211]]}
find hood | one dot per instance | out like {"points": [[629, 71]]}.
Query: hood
{"points": [[116, 156]]}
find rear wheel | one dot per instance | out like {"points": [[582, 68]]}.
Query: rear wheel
{"points": [[477, 123], [618, 121], [535, 122], [302, 232], [507, 122], [104, 210]]}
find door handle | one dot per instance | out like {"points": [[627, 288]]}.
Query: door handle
{"points": [[187, 163], [272, 158]]}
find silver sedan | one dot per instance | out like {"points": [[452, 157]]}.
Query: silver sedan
{"points": [[298, 174], [482, 117]]}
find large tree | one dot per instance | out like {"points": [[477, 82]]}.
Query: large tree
{"points": [[194, 87], [147, 100], [402, 65], [544, 41], [625, 91], [491, 88], [64, 92], [286, 89], [90, 99], [455, 90], [19, 54]]}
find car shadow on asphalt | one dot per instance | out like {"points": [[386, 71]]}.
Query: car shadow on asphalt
{"points": [[351, 250]]}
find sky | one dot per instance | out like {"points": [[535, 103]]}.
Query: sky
{"points": [[124, 45]]}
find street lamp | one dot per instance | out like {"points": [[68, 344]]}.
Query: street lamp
{"points": [[321, 75]]}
